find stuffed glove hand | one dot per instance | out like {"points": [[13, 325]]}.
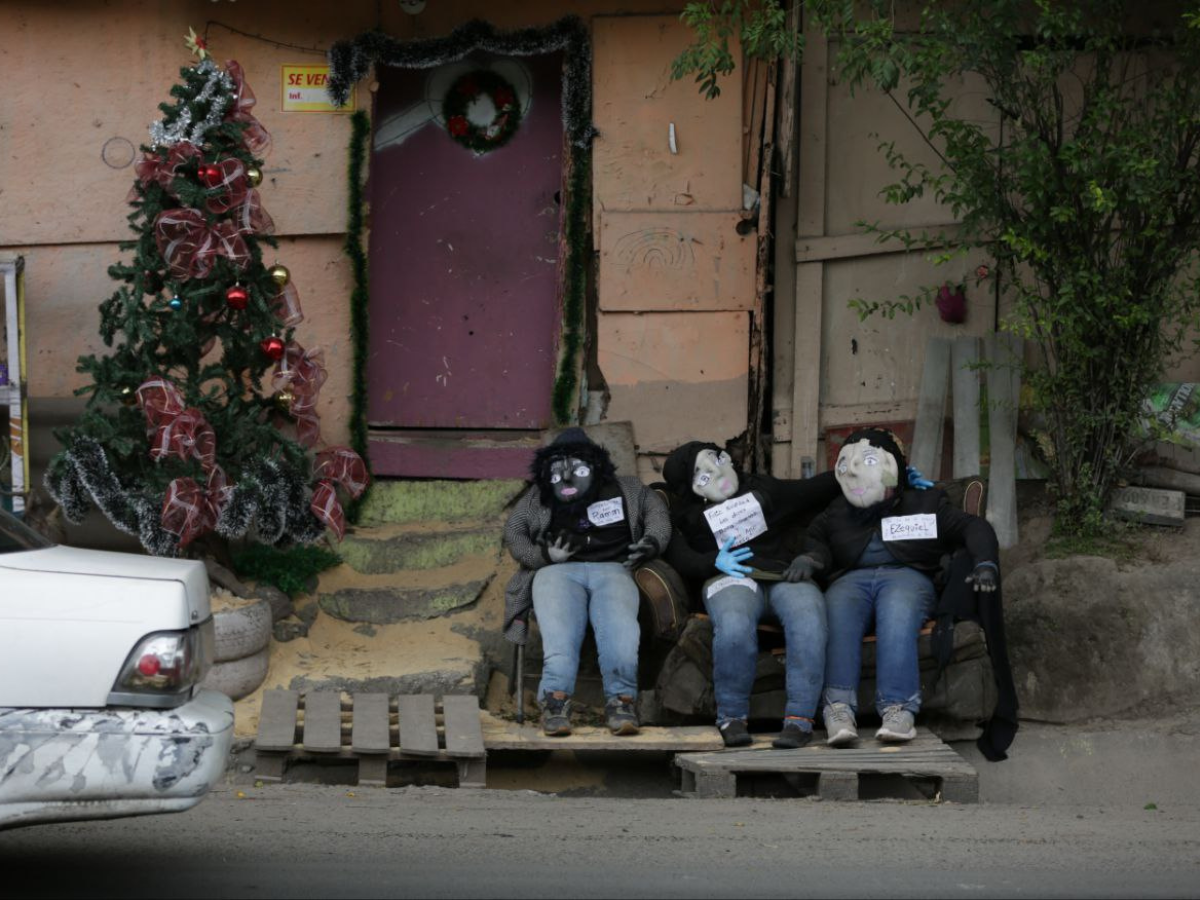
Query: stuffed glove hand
{"points": [[730, 561], [917, 480], [643, 551], [802, 569], [984, 578], [559, 551]]}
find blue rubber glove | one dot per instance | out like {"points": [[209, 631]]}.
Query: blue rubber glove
{"points": [[730, 561], [917, 480]]}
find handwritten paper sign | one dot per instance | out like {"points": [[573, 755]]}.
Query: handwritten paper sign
{"points": [[303, 90], [910, 528], [606, 512], [740, 518]]}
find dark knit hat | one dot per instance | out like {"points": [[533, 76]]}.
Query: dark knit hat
{"points": [[680, 467], [884, 440]]}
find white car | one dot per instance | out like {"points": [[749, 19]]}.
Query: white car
{"points": [[101, 656]]}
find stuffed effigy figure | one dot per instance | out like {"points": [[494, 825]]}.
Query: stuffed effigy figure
{"points": [[729, 530], [880, 547], [578, 532]]}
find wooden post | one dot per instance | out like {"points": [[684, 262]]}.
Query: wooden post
{"points": [[810, 277]]}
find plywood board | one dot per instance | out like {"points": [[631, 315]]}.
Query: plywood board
{"points": [[965, 392], [926, 451], [1002, 484], [676, 376], [878, 361], [675, 260], [635, 101]]}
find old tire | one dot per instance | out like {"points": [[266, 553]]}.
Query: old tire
{"points": [[237, 678], [241, 628]]}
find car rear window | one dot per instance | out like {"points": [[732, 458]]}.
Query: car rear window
{"points": [[15, 535]]}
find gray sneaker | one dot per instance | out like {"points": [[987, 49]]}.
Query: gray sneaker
{"points": [[556, 715], [840, 725], [621, 715], [897, 725]]}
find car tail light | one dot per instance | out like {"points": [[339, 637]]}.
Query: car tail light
{"points": [[164, 667]]}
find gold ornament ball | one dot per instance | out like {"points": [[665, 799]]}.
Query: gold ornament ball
{"points": [[279, 274], [254, 176], [283, 400], [128, 395]]}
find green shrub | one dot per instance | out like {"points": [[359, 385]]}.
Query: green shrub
{"points": [[289, 570]]}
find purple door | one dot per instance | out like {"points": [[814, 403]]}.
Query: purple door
{"points": [[464, 312]]}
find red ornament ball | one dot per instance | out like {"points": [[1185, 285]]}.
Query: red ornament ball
{"points": [[211, 175], [237, 297], [273, 347]]}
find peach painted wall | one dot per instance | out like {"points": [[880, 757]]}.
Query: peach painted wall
{"points": [[83, 81]]}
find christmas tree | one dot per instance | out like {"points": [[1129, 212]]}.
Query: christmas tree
{"points": [[202, 422]]}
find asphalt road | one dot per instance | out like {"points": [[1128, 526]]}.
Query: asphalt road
{"points": [[305, 840]]}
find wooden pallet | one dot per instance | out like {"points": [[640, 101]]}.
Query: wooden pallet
{"points": [[372, 729], [837, 768]]}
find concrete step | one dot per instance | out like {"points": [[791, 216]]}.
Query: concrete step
{"points": [[403, 502], [382, 598], [400, 548]]}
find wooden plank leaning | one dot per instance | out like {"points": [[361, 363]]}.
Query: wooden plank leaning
{"points": [[1003, 390], [926, 451], [964, 356]]}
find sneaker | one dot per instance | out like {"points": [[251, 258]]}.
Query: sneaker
{"points": [[735, 734], [840, 725], [793, 736], [622, 718], [556, 715], [897, 725]]}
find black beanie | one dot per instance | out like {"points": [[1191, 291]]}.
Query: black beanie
{"points": [[679, 469], [884, 440]]}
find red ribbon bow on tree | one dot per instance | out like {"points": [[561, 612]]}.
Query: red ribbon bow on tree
{"points": [[301, 373], [337, 466], [190, 246], [190, 510], [157, 167], [176, 430], [258, 141], [234, 195]]}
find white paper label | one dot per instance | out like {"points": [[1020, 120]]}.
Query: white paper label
{"points": [[606, 512], [729, 581], [910, 528], [740, 518]]}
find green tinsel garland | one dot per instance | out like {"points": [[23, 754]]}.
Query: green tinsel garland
{"points": [[350, 61], [566, 383], [360, 132]]}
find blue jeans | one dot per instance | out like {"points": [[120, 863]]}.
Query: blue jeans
{"points": [[566, 596], [735, 610], [899, 599]]}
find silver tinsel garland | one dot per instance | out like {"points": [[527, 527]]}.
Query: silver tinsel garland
{"points": [[183, 128]]}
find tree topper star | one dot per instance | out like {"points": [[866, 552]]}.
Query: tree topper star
{"points": [[196, 44]]}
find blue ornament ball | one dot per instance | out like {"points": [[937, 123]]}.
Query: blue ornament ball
{"points": [[175, 304]]}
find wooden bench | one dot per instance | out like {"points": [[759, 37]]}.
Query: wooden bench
{"points": [[372, 729], [835, 771]]}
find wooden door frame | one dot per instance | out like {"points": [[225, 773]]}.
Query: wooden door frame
{"points": [[354, 59]]}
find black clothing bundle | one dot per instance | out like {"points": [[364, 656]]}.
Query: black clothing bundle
{"points": [[693, 548]]}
